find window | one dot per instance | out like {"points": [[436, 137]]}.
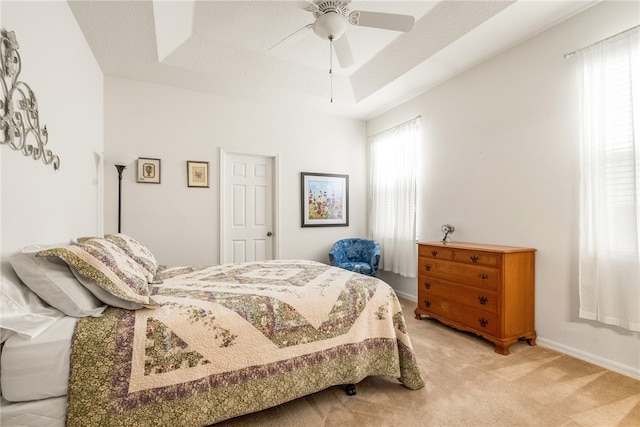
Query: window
{"points": [[392, 184], [609, 254]]}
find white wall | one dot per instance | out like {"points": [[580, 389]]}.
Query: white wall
{"points": [[500, 163], [180, 225], [40, 205]]}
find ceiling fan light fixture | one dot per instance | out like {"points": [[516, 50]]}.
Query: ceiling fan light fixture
{"points": [[330, 25]]}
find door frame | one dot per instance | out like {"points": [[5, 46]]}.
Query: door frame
{"points": [[274, 158]]}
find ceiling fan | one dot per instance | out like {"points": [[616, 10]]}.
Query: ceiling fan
{"points": [[332, 18]]}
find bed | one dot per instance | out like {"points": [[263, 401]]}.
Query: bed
{"points": [[97, 333]]}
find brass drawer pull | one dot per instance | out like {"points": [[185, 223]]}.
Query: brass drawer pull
{"points": [[483, 300], [483, 276], [427, 285], [474, 258], [427, 267], [483, 322], [427, 303], [434, 253]]}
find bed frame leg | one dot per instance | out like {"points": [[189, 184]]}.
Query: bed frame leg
{"points": [[350, 389]]}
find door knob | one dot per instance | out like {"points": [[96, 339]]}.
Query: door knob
{"points": [[269, 234]]}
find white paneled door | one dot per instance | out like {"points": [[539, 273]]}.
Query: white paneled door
{"points": [[247, 208]]}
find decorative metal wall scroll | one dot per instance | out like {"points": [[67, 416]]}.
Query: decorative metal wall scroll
{"points": [[20, 121]]}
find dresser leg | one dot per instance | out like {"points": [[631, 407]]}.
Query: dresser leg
{"points": [[531, 340], [503, 347]]}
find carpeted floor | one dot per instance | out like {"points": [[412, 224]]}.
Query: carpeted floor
{"points": [[468, 384]]}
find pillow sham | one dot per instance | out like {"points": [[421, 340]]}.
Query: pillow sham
{"points": [[104, 295], [52, 280], [21, 310], [138, 252], [108, 266]]}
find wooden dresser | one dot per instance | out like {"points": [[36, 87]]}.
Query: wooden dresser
{"points": [[484, 289]]}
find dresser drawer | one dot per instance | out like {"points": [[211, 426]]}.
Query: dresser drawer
{"points": [[471, 275], [469, 317], [473, 297], [435, 252], [487, 259]]}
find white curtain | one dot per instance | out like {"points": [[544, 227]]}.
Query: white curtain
{"points": [[609, 258], [393, 180]]}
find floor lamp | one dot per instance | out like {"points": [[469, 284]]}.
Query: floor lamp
{"points": [[120, 161], [120, 169]]}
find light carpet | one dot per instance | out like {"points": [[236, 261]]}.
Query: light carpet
{"points": [[468, 384]]}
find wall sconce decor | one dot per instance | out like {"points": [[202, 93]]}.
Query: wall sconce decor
{"points": [[149, 170], [20, 120]]}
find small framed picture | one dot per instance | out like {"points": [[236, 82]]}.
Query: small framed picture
{"points": [[197, 174], [325, 200], [149, 170]]}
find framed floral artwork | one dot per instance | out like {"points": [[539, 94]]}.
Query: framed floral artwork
{"points": [[197, 174], [325, 199]]}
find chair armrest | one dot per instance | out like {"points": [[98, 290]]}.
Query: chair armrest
{"points": [[375, 260], [336, 256]]}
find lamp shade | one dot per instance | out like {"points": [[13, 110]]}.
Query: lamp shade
{"points": [[120, 159], [330, 24]]}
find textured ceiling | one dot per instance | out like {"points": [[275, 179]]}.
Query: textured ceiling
{"points": [[227, 47]]}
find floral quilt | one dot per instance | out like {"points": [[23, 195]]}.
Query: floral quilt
{"points": [[233, 339]]}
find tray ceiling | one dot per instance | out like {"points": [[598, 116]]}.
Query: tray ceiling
{"points": [[226, 47]]}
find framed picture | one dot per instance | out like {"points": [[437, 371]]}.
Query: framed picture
{"points": [[197, 174], [325, 199], [149, 170]]}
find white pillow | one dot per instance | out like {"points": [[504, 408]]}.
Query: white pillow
{"points": [[21, 310], [52, 280], [5, 334]]}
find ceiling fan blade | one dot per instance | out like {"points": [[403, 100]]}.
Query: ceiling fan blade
{"points": [[343, 51], [292, 38], [387, 21], [309, 6]]}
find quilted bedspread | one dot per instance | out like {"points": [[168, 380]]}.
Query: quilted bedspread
{"points": [[233, 339]]}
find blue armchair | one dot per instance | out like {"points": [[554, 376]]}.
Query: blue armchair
{"points": [[359, 255]]}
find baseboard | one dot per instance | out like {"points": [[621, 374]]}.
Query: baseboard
{"points": [[407, 296], [629, 371]]}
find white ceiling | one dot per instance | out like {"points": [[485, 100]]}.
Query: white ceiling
{"points": [[225, 47]]}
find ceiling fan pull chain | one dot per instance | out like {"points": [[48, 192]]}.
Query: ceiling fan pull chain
{"points": [[331, 65]]}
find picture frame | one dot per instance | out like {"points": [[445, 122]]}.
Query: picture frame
{"points": [[148, 170], [324, 199], [197, 174]]}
